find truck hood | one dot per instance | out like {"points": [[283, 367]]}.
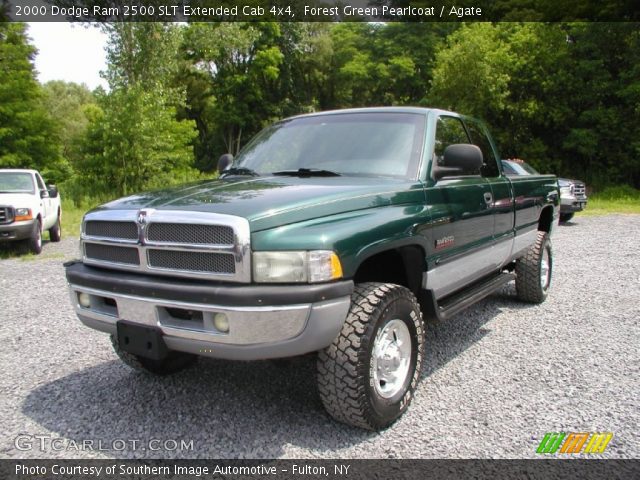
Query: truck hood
{"points": [[19, 200], [268, 202]]}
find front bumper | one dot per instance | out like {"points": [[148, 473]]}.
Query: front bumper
{"points": [[569, 204], [264, 321], [16, 230]]}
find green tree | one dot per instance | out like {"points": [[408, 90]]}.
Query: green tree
{"points": [[27, 135], [134, 139], [67, 104], [233, 67]]}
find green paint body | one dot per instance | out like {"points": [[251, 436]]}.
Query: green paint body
{"points": [[358, 216]]}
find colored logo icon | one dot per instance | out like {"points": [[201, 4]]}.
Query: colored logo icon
{"points": [[584, 442]]}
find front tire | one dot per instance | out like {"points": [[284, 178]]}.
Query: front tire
{"points": [[173, 363], [565, 217], [34, 242], [533, 271], [367, 376]]}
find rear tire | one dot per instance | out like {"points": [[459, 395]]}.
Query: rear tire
{"points": [[367, 376], [173, 363], [533, 271], [55, 232], [565, 217], [34, 242]]}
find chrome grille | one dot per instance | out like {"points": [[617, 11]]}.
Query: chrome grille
{"points": [[169, 242], [190, 234], [6, 215], [120, 230], [223, 263], [112, 253], [579, 189]]}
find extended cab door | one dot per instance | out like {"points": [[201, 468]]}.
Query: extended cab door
{"points": [[462, 223], [503, 205]]}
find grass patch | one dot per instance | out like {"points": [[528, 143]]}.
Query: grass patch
{"points": [[614, 200], [72, 217], [30, 257]]}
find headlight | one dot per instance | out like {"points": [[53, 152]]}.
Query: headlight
{"points": [[23, 214], [296, 267], [565, 190]]}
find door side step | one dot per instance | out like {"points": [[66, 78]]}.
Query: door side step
{"points": [[452, 304]]}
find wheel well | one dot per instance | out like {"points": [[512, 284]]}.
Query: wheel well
{"points": [[546, 219], [402, 266]]}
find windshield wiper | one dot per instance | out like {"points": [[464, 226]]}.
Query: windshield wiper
{"points": [[307, 172], [240, 171]]}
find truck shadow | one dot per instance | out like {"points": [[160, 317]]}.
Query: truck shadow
{"points": [[448, 339], [227, 409]]}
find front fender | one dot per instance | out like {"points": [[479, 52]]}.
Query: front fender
{"points": [[354, 236]]}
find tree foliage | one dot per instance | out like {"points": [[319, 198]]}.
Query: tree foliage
{"points": [[134, 139], [563, 96], [28, 138]]}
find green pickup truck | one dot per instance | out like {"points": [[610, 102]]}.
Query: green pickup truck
{"points": [[338, 234]]}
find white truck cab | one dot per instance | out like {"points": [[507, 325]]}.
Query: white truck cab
{"points": [[27, 208]]}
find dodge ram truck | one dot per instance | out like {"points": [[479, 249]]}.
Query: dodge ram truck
{"points": [[28, 208], [337, 234]]}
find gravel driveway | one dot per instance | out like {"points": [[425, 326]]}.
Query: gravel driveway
{"points": [[496, 378]]}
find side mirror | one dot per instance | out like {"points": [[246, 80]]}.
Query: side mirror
{"points": [[459, 159], [53, 191], [224, 161], [44, 193]]}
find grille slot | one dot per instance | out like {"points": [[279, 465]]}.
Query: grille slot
{"points": [[579, 189], [121, 230], [190, 234], [192, 261], [6, 214], [112, 253]]}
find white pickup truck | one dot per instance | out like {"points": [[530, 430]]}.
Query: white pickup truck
{"points": [[28, 208]]}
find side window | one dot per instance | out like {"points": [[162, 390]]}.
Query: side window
{"points": [[449, 131], [479, 138], [508, 169], [40, 182]]}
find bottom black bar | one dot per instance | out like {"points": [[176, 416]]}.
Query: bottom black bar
{"points": [[318, 469]]}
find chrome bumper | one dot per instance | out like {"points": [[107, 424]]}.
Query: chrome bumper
{"points": [[255, 332]]}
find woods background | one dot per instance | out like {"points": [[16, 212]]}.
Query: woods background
{"points": [[563, 96]]}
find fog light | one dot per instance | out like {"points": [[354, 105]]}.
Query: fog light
{"points": [[221, 322], [84, 300]]}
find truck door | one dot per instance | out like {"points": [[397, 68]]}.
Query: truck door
{"points": [[45, 201], [502, 206], [462, 219]]}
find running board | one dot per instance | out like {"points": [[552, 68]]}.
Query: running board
{"points": [[457, 302]]}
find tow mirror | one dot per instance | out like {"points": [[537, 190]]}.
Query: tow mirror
{"points": [[224, 161], [459, 159], [53, 191]]}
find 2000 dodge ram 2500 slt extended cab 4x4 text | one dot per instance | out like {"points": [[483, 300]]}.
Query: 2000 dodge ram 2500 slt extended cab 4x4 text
{"points": [[334, 233], [28, 208]]}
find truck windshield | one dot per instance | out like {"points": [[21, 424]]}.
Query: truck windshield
{"points": [[16, 182], [368, 144]]}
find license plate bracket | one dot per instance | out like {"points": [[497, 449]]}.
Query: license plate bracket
{"points": [[143, 340]]}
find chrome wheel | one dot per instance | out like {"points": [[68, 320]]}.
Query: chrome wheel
{"points": [[544, 269], [391, 358]]}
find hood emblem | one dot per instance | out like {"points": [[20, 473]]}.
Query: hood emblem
{"points": [[142, 224]]}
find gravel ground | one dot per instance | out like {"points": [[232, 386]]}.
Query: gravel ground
{"points": [[496, 378]]}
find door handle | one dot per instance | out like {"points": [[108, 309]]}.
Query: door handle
{"points": [[488, 198]]}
